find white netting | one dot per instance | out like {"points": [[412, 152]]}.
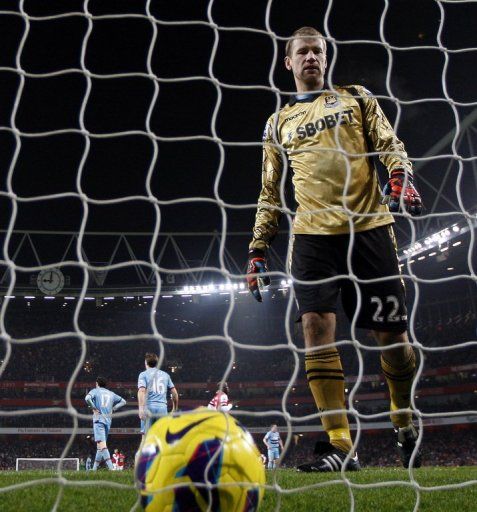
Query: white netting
{"points": [[90, 16]]}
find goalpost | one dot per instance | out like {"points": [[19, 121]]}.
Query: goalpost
{"points": [[30, 463], [99, 76]]}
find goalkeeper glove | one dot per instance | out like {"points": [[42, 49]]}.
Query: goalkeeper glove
{"points": [[394, 189], [257, 264]]}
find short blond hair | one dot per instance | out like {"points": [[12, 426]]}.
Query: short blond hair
{"points": [[301, 33]]}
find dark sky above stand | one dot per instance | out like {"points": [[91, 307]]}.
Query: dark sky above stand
{"points": [[117, 167]]}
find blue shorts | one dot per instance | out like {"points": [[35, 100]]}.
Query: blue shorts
{"points": [[273, 454], [101, 431], [153, 413]]}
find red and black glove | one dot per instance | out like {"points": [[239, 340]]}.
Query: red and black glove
{"points": [[394, 189], [257, 264]]}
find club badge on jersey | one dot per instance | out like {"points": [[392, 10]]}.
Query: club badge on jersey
{"points": [[331, 101]]}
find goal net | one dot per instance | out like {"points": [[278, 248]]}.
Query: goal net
{"points": [[131, 164], [65, 463]]}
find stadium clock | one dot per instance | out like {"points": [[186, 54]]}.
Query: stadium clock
{"points": [[50, 281]]}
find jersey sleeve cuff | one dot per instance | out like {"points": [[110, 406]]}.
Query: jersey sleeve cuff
{"points": [[401, 168], [257, 245]]}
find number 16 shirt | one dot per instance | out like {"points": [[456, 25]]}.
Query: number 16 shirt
{"points": [[157, 384]]}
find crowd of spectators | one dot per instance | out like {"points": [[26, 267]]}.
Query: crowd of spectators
{"points": [[241, 390], [204, 362], [298, 405], [442, 447]]}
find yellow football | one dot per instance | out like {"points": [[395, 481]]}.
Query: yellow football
{"points": [[197, 461]]}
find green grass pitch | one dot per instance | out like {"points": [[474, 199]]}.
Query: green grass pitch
{"points": [[302, 492]]}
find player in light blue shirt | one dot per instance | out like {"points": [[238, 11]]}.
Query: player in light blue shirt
{"points": [[103, 402], [273, 442], [154, 386]]}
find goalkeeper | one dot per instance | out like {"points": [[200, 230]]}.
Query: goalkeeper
{"points": [[324, 136]]}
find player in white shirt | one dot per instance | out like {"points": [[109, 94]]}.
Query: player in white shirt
{"points": [[114, 459], [220, 402], [273, 441]]}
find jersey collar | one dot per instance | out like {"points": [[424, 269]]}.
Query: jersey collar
{"points": [[306, 97]]}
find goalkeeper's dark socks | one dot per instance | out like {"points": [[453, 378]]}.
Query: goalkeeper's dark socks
{"points": [[326, 380], [399, 379]]}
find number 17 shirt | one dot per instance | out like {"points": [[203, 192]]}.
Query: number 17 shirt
{"points": [[104, 400]]}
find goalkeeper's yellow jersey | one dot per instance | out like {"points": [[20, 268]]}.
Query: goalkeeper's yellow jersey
{"points": [[325, 137]]}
